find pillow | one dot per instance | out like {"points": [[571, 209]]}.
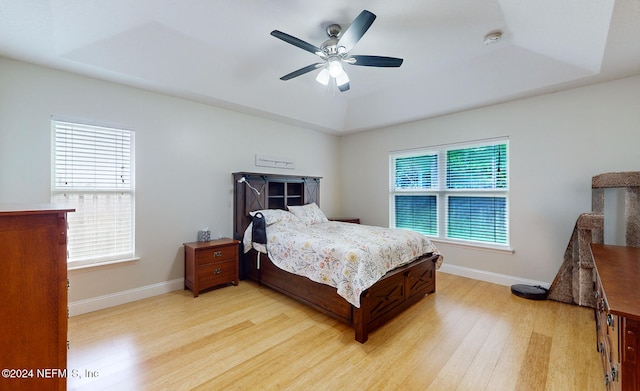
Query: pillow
{"points": [[272, 216], [309, 213]]}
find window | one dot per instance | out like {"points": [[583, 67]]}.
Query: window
{"points": [[453, 192], [93, 173]]}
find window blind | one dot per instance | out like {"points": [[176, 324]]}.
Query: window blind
{"points": [[93, 173], [481, 219], [477, 218], [481, 167], [417, 212], [416, 172]]}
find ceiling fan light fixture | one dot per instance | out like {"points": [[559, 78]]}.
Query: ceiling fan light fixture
{"points": [[335, 68], [342, 79], [323, 77], [335, 50]]}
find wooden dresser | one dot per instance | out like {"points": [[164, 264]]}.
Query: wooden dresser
{"points": [[617, 292], [208, 264], [33, 297]]}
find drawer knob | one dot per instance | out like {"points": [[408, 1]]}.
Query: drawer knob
{"points": [[217, 270], [610, 320], [217, 254]]}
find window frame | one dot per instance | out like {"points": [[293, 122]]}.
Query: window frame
{"points": [[443, 194], [98, 190]]}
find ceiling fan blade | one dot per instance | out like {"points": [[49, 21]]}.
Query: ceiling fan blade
{"points": [[375, 61], [356, 30], [297, 42], [301, 71]]}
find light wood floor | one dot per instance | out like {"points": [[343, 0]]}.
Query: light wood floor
{"points": [[469, 335]]}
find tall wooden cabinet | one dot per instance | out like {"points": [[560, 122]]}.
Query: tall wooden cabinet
{"points": [[268, 191], [618, 314], [33, 297]]}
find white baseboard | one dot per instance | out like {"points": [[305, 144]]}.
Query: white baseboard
{"points": [[500, 279], [101, 302]]}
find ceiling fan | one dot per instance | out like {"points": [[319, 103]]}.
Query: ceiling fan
{"points": [[334, 52]]}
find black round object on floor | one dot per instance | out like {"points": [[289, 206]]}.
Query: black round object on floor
{"points": [[530, 292]]}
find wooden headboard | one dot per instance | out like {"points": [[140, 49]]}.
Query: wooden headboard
{"points": [[276, 192]]}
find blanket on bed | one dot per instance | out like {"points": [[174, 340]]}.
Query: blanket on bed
{"points": [[349, 257]]}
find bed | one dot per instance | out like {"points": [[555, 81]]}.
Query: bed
{"points": [[365, 303]]}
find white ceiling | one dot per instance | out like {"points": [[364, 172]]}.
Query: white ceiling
{"points": [[220, 52]]}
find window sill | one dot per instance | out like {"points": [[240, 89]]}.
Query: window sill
{"points": [[78, 265], [475, 246]]}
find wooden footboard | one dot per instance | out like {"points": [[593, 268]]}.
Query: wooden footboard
{"points": [[396, 291], [392, 294]]}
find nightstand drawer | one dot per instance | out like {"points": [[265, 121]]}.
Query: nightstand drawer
{"points": [[217, 254], [216, 273]]}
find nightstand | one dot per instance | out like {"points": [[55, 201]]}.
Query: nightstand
{"points": [[209, 264], [353, 220]]}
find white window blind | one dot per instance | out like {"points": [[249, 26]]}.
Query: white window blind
{"points": [[416, 172], [455, 192], [415, 176], [93, 173], [417, 212]]}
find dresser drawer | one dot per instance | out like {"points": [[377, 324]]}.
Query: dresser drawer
{"points": [[216, 254]]}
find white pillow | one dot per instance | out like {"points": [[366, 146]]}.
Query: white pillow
{"points": [[309, 213], [272, 216]]}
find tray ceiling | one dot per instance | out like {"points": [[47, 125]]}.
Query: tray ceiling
{"points": [[221, 53]]}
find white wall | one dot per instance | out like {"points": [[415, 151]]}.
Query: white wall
{"points": [[557, 143], [185, 154]]}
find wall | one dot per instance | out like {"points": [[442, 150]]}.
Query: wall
{"points": [[557, 143], [185, 154]]}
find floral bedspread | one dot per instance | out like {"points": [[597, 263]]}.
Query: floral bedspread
{"points": [[349, 257]]}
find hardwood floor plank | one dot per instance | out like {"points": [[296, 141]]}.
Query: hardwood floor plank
{"points": [[584, 373], [519, 319], [454, 319], [462, 366], [478, 374], [277, 366], [469, 335], [533, 375]]}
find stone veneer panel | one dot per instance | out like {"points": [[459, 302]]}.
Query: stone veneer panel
{"points": [[574, 282]]}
